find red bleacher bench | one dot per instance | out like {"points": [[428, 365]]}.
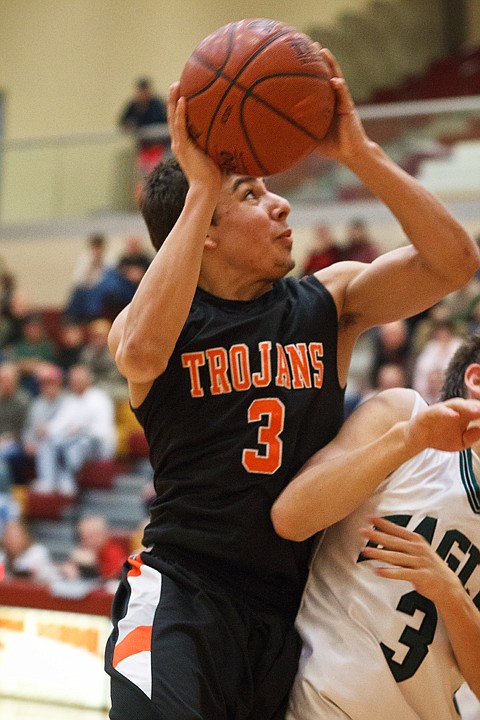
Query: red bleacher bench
{"points": [[137, 444], [46, 506], [98, 473]]}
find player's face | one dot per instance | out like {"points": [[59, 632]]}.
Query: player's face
{"points": [[250, 226]]}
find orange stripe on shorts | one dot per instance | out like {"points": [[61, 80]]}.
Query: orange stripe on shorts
{"points": [[137, 563], [136, 641]]}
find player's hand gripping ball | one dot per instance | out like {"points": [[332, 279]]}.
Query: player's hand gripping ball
{"points": [[258, 96]]}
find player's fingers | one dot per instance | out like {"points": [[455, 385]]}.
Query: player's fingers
{"points": [[461, 404], [471, 436], [399, 559], [344, 101], [332, 62], [387, 526], [397, 573], [173, 94], [413, 545]]}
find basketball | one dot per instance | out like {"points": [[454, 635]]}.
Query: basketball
{"points": [[258, 96]]}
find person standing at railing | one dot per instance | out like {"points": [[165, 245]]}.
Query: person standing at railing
{"points": [[144, 111]]}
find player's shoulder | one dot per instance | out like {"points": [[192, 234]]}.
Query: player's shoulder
{"points": [[340, 272], [337, 277], [395, 403]]}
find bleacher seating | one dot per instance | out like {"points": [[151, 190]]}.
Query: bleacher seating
{"points": [[46, 506], [111, 487], [455, 75], [385, 41], [98, 474], [458, 173]]}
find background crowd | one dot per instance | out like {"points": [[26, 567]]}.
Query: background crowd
{"points": [[62, 404]]}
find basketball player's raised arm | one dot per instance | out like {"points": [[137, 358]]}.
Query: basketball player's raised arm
{"points": [[442, 256], [144, 334], [375, 440], [411, 558]]}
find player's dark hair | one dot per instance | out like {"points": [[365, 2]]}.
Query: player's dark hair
{"points": [[467, 354], [163, 199]]}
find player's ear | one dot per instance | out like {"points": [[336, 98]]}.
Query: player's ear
{"points": [[472, 380]]}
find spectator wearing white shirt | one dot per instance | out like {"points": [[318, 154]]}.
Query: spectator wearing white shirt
{"points": [[43, 407], [82, 429]]}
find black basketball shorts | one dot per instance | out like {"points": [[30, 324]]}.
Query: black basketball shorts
{"points": [[183, 648]]}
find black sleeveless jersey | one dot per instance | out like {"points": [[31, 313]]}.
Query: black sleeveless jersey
{"points": [[249, 394]]}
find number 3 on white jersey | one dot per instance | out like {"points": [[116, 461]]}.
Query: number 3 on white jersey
{"points": [[272, 412]]}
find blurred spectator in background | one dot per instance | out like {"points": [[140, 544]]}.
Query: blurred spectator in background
{"points": [[473, 317], [14, 404], [23, 557], [96, 356], [433, 385], [391, 344], [43, 409], [141, 116], [71, 341], [84, 302], [96, 555], [434, 357], [423, 329], [32, 350], [9, 508], [13, 307], [134, 257], [390, 375], [83, 429], [324, 252], [120, 282], [359, 245]]}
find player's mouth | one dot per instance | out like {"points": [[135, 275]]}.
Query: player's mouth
{"points": [[286, 238]]}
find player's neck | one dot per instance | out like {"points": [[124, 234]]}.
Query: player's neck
{"points": [[233, 287]]}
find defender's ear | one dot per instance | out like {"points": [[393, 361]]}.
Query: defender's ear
{"points": [[472, 380]]}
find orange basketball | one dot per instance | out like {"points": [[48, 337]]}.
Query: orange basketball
{"points": [[258, 96]]}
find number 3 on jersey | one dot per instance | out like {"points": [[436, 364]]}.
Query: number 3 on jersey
{"points": [[271, 412]]}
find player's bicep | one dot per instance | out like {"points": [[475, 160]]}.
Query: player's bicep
{"points": [[395, 285], [116, 332]]}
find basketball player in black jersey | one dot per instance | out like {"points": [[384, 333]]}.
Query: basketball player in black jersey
{"points": [[237, 375]]}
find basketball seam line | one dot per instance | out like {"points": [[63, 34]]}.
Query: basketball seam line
{"points": [[276, 111], [233, 82], [216, 71]]}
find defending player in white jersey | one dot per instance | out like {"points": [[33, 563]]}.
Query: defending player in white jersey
{"points": [[390, 619]]}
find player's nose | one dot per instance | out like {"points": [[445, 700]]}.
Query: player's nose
{"points": [[280, 207]]}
